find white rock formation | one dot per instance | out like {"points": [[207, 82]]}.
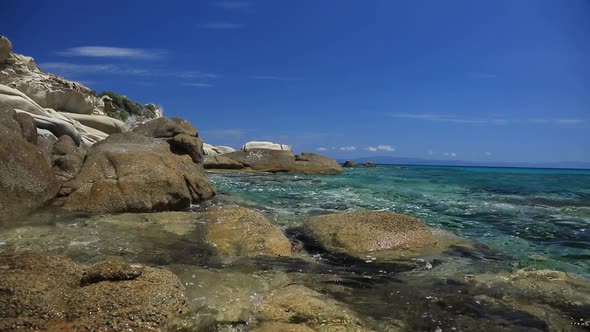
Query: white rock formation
{"points": [[47, 118], [211, 150], [47, 90], [266, 145]]}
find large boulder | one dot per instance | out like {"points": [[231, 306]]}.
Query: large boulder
{"points": [[129, 172], [238, 231], [47, 90], [266, 145], [66, 158], [50, 293], [26, 178], [350, 164], [358, 233], [166, 128], [275, 161]]}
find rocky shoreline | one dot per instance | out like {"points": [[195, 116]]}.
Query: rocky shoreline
{"points": [[64, 163]]}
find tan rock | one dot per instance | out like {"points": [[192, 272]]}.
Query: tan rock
{"points": [[191, 145], [102, 123], [238, 231], [26, 179], [367, 231], [129, 172], [254, 145], [44, 292], [264, 160], [166, 128], [221, 162]]}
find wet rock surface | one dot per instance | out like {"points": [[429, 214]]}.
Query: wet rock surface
{"points": [[237, 231], [41, 292], [110, 270], [357, 233]]}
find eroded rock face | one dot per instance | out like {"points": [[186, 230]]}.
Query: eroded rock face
{"points": [[211, 150], [66, 158], [275, 161], [363, 232], [102, 123], [47, 90], [238, 231], [26, 178], [129, 172], [308, 309], [42, 292]]}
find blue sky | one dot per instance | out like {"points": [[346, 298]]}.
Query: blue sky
{"points": [[472, 80]]}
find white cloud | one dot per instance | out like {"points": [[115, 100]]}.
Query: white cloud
{"points": [[232, 4], [76, 68], [348, 148], [556, 121], [449, 118], [322, 149], [449, 154], [381, 147], [221, 26], [488, 153], [198, 85], [112, 52]]}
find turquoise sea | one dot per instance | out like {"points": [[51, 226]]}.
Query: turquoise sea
{"points": [[539, 217]]}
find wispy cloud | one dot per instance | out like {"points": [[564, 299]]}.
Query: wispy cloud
{"points": [[322, 149], [224, 133], [112, 52], [487, 153], [272, 78], [348, 148], [221, 26], [382, 147], [450, 118], [556, 121], [67, 68], [483, 75], [198, 85], [449, 154], [232, 4]]}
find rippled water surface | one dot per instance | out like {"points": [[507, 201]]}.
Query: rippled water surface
{"points": [[539, 216]]}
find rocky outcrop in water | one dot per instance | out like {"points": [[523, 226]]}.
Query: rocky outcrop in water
{"points": [[363, 232], [276, 161], [350, 164], [130, 172], [238, 231], [26, 178], [42, 292], [368, 164], [47, 90]]}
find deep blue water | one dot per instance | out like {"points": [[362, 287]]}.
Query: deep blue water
{"points": [[539, 216]]}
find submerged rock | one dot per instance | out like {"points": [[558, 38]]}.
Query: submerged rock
{"points": [[133, 173], [363, 232], [26, 178], [42, 292], [310, 310], [238, 231]]}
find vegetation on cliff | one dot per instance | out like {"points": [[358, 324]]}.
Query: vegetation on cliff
{"points": [[123, 107]]}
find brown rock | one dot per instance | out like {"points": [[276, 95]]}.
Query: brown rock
{"points": [[42, 292], [368, 164], [221, 162], [238, 231], [166, 128], [67, 158], [129, 172], [190, 145], [350, 163], [276, 161], [114, 269], [26, 179], [363, 232]]}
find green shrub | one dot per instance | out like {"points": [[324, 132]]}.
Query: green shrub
{"points": [[127, 107]]}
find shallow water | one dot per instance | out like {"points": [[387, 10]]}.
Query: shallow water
{"points": [[517, 218], [539, 216]]}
